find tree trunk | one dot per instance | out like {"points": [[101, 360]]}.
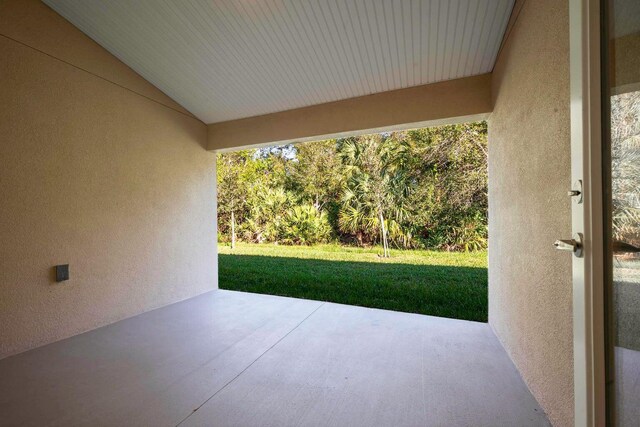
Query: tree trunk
{"points": [[233, 230], [383, 231], [386, 244]]}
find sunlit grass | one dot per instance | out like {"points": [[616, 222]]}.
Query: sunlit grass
{"points": [[349, 253]]}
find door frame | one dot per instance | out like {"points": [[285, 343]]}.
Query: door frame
{"points": [[587, 217]]}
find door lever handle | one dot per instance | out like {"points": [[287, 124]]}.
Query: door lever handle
{"points": [[573, 245], [566, 245]]}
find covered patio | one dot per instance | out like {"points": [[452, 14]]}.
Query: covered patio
{"points": [[111, 116], [238, 359]]}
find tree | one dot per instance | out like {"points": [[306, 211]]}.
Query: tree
{"points": [[232, 187], [274, 165], [375, 188], [413, 189], [448, 173], [318, 175]]}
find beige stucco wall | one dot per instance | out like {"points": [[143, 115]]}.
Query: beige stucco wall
{"points": [[32, 23], [530, 288], [464, 99], [99, 170], [624, 71]]}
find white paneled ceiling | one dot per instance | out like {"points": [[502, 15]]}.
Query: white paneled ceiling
{"points": [[228, 59]]}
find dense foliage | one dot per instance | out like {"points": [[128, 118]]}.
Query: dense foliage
{"points": [[625, 167], [424, 188]]}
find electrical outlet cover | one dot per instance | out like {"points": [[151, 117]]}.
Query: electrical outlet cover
{"points": [[62, 272]]}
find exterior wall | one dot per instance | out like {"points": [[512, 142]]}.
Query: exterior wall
{"points": [[530, 287], [624, 69], [100, 170], [32, 23]]}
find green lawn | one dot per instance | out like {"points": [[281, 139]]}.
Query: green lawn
{"points": [[437, 283]]}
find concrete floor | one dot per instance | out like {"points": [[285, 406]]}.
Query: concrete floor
{"points": [[237, 359], [627, 363]]}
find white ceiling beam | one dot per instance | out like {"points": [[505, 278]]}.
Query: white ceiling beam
{"points": [[450, 101]]}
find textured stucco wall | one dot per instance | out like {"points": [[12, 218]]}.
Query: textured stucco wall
{"points": [[99, 170], [530, 290], [624, 69], [40, 27]]}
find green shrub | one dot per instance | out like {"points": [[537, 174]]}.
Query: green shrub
{"points": [[471, 235], [459, 233], [267, 210], [305, 225]]}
